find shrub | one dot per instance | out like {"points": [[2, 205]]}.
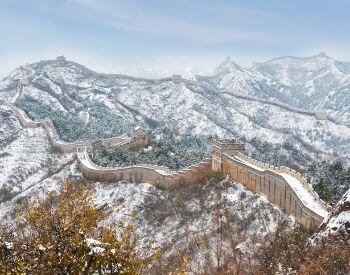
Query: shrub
{"points": [[6, 193], [59, 235]]}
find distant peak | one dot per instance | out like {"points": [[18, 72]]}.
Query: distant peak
{"points": [[228, 61], [227, 66], [322, 56]]}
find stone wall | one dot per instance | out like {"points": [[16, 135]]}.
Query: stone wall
{"points": [[268, 180], [228, 157], [157, 175], [57, 143]]}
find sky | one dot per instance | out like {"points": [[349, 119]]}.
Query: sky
{"points": [[132, 36]]}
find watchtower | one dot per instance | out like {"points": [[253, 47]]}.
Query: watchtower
{"points": [[61, 59], [140, 137], [225, 146], [321, 115], [176, 78]]}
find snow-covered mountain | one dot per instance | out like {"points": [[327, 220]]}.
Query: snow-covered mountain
{"points": [[317, 82], [311, 83], [234, 79], [30, 169], [233, 102], [265, 103]]}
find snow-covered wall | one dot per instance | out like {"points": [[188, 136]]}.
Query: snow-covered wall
{"points": [[65, 147], [284, 187], [157, 175], [154, 174]]}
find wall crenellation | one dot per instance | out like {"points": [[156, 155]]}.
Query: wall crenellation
{"points": [[154, 174], [281, 169], [294, 195]]}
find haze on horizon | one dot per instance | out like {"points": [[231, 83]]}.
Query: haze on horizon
{"points": [[170, 37]]}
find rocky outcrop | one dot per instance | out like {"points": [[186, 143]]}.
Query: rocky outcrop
{"points": [[337, 224]]}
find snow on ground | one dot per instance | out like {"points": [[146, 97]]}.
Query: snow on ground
{"points": [[38, 189], [23, 157], [172, 218], [43, 97], [27, 162], [338, 221]]}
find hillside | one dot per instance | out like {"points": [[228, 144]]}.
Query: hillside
{"points": [[318, 83], [28, 164], [181, 120], [84, 105], [337, 224], [310, 83], [30, 170]]}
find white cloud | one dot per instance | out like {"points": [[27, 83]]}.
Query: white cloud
{"points": [[130, 17]]}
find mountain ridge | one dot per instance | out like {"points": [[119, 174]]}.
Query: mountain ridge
{"points": [[202, 106]]}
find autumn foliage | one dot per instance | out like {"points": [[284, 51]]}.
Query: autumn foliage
{"points": [[60, 235], [67, 234]]}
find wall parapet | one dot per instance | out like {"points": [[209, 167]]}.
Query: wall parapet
{"points": [[284, 187], [154, 174], [289, 171]]}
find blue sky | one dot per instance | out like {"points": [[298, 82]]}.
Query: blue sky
{"points": [[111, 36]]}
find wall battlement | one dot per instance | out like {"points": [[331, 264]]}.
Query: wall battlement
{"points": [[284, 187], [157, 175]]}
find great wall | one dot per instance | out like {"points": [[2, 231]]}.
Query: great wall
{"points": [[284, 187], [67, 147], [158, 175], [318, 115]]}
